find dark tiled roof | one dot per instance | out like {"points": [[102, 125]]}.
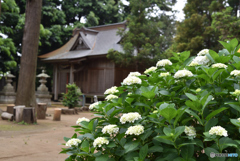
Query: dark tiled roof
{"points": [[98, 39]]}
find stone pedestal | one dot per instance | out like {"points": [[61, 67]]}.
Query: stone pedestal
{"points": [[42, 94], [8, 95]]}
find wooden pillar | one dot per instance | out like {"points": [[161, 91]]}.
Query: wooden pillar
{"points": [[56, 82], [71, 74]]}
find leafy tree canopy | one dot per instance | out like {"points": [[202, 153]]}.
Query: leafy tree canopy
{"points": [[9, 17], [147, 35], [196, 31]]}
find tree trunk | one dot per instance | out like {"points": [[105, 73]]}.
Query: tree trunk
{"points": [[27, 75]]}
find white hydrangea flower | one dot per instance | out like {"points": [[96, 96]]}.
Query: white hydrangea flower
{"points": [[73, 142], [92, 106], [203, 52], [193, 64], [219, 65], [110, 129], [163, 62], [235, 73], [130, 117], [238, 119], [110, 97], [135, 130], [198, 90], [82, 119], [134, 74], [190, 131], [200, 60], [218, 130], [183, 73], [151, 69], [111, 90], [236, 92], [100, 141], [164, 74], [132, 80]]}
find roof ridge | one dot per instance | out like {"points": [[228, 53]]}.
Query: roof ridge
{"points": [[113, 24]]}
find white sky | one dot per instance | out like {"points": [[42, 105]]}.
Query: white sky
{"points": [[179, 7]]}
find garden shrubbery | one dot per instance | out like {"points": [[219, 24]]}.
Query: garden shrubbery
{"points": [[72, 97], [182, 109]]}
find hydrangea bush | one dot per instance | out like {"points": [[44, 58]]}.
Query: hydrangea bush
{"points": [[177, 111]]}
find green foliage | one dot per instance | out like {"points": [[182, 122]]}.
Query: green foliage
{"points": [[195, 32], [72, 97], [178, 113], [140, 44], [96, 12], [226, 24], [8, 18]]}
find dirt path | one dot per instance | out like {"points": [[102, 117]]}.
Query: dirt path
{"points": [[40, 142]]}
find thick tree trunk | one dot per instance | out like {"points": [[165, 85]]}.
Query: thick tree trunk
{"points": [[27, 75]]}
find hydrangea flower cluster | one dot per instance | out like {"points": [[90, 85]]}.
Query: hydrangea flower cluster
{"points": [[164, 74], [235, 73], [183, 73], [81, 120], [163, 63], [200, 60], [151, 69], [110, 97], [131, 80], [110, 129], [190, 131], [134, 74], [238, 119], [219, 65], [130, 117], [135, 130], [111, 90], [92, 106], [73, 142], [218, 130], [100, 141], [203, 52], [236, 92]]}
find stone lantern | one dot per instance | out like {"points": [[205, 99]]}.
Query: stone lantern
{"points": [[8, 94], [42, 94]]}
